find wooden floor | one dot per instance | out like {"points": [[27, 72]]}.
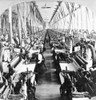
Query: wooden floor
{"points": [[48, 91]]}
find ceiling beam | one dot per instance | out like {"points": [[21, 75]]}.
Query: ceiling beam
{"points": [[59, 4], [68, 14]]}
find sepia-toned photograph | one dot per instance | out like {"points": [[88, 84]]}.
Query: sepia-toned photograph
{"points": [[47, 50]]}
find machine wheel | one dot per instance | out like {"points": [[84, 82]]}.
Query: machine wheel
{"points": [[91, 54]]}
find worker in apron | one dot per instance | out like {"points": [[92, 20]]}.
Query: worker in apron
{"points": [[40, 65]]}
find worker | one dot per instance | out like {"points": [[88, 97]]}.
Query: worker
{"points": [[41, 61], [40, 65], [66, 88], [6, 55]]}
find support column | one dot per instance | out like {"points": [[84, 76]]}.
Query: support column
{"points": [[25, 18], [20, 34], [86, 19], [19, 25], [10, 23], [77, 19], [0, 22], [81, 18], [93, 21]]}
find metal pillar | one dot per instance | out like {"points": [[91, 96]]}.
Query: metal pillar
{"points": [[10, 23]]}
